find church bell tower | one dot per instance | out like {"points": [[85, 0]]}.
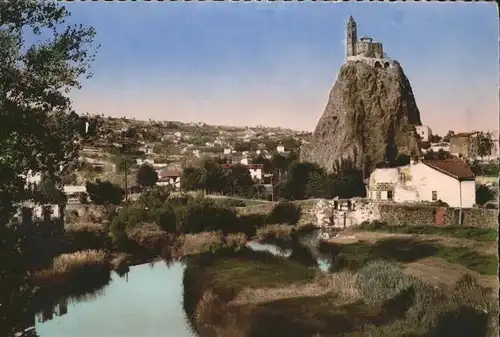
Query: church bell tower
{"points": [[351, 37]]}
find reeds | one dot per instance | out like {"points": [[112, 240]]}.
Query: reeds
{"points": [[66, 267]]}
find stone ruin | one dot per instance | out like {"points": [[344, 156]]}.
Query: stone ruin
{"points": [[344, 213]]}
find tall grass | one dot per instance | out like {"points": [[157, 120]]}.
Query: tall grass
{"points": [[67, 267]]}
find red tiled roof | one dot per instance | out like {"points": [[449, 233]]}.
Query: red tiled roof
{"points": [[453, 167], [172, 173]]}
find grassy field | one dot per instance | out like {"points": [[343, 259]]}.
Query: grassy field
{"points": [[459, 232], [269, 296]]}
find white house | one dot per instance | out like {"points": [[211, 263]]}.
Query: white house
{"points": [[424, 132], [255, 171], [170, 177], [449, 180], [280, 148], [438, 146], [228, 150]]}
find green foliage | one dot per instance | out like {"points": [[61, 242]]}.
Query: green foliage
{"points": [[239, 181], [204, 215], [484, 194], [380, 281], [491, 169], [39, 128], [47, 192], [266, 163], [166, 218], [229, 202], [146, 176], [104, 193], [284, 212], [191, 179], [439, 155], [356, 255], [485, 144]]}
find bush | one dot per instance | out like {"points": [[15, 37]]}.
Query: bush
{"points": [[166, 218], [483, 194], [380, 281], [204, 215], [249, 223], [285, 212], [228, 202]]}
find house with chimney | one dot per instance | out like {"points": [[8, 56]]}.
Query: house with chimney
{"points": [[449, 180]]}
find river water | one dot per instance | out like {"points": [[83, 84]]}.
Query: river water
{"points": [[146, 302]]}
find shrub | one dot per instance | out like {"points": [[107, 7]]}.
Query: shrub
{"points": [[166, 218], [84, 236], [380, 281], [285, 212], [228, 202], [203, 214], [249, 223]]}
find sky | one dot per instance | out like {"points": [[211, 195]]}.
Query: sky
{"points": [[274, 64]]}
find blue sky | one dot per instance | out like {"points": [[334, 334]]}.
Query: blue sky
{"points": [[275, 63]]}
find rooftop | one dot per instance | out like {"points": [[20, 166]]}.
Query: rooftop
{"points": [[453, 167]]}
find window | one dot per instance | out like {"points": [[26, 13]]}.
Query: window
{"points": [[379, 195], [434, 195], [389, 195]]}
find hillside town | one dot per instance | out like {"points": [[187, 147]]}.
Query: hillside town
{"points": [[114, 149]]}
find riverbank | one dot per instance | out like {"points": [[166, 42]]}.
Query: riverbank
{"points": [[266, 295]]}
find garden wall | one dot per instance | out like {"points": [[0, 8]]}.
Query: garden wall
{"points": [[425, 215]]}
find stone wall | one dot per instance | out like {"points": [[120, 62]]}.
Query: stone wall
{"points": [[398, 214], [425, 215], [407, 215], [474, 217]]}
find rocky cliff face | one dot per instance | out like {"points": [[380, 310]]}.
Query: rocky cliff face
{"points": [[370, 118]]}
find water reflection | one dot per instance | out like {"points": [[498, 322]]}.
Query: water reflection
{"points": [[144, 301]]}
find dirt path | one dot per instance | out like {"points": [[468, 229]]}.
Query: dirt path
{"points": [[439, 272]]}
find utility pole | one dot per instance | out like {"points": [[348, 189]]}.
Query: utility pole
{"points": [[126, 179]]}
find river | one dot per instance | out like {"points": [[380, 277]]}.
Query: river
{"points": [[146, 302]]}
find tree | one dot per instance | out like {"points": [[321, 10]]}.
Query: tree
{"points": [[436, 139], [296, 182], [448, 135], [39, 128], [105, 193], [266, 163], [439, 155], [47, 192], [485, 144], [238, 181], [146, 176], [191, 179], [483, 194]]}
